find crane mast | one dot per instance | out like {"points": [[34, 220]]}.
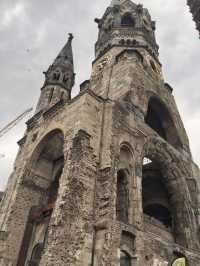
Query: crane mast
{"points": [[13, 123]]}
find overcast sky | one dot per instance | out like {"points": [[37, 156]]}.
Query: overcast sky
{"points": [[32, 32]]}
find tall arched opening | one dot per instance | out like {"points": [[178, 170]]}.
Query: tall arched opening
{"points": [[165, 191], [159, 119], [47, 165], [155, 196], [123, 183]]}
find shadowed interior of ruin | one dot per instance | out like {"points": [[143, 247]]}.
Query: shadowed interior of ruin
{"points": [[156, 203], [122, 197], [48, 165], [159, 119], [127, 21], [123, 175]]}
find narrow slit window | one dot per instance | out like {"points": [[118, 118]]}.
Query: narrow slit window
{"points": [[51, 94]]}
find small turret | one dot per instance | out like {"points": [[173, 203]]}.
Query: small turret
{"points": [[59, 78]]}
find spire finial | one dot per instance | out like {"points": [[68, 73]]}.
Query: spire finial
{"points": [[71, 37], [62, 70]]}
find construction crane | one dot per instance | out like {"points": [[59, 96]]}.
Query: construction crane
{"points": [[13, 123]]}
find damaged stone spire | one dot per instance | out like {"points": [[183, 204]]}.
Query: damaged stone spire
{"points": [[59, 78]]}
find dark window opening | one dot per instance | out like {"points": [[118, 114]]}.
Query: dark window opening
{"points": [[125, 259], [153, 119], [122, 197], [153, 66], [156, 200], [56, 75], [66, 78], [160, 120], [160, 213], [127, 21], [51, 94]]}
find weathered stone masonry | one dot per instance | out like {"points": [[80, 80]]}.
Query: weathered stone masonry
{"points": [[105, 178]]}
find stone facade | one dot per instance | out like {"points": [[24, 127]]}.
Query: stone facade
{"points": [[195, 10], [105, 178]]}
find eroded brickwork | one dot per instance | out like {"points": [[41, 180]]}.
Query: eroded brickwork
{"points": [[79, 193]]}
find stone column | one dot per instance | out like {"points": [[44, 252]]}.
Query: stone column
{"points": [[71, 228]]}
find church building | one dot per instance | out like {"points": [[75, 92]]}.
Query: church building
{"points": [[105, 178]]}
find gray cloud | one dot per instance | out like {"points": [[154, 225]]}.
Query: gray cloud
{"points": [[33, 32]]}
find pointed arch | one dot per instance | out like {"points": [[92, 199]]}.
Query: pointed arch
{"points": [[158, 117], [174, 172], [46, 168], [123, 180], [126, 157]]}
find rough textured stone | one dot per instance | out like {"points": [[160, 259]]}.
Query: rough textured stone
{"points": [[78, 195]]}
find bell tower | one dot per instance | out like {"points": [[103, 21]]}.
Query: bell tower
{"points": [[106, 178]]}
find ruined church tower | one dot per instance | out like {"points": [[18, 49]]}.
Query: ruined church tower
{"points": [[106, 178]]}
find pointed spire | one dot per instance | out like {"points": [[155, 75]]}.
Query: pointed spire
{"points": [[66, 55], [61, 72]]}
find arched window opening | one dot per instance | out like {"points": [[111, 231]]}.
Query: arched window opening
{"points": [[66, 78], [127, 21], [126, 158], [125, 259], [159, 119], [56, 75], [122, 202], [156, 200], [48, 162], [51, 94], [125, 168]]}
